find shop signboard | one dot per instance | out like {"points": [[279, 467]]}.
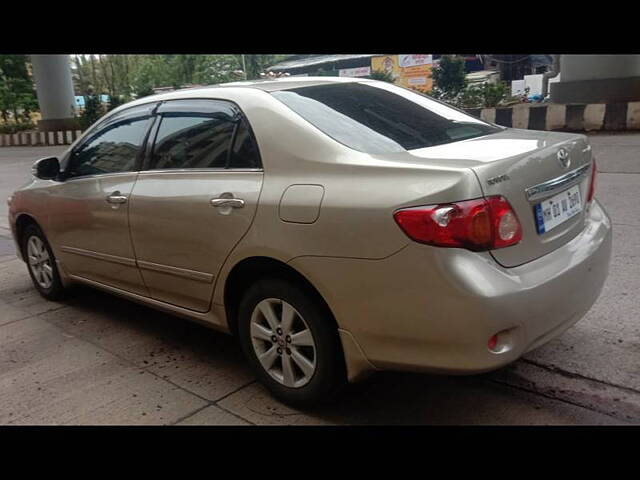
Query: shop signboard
{"points": [[387, 63], [405, 61], [410, 71], [355, 72]]}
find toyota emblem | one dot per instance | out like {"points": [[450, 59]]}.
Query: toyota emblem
{"points": [[563, 158]]}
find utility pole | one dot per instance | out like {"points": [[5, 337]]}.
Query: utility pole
{"points": [[244, 68]]}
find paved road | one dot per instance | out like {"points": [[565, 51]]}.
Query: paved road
{"points": [[15, 171], [99, 359]]}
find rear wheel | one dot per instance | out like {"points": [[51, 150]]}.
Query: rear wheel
{"points": [[291, 342], [41, 264]]}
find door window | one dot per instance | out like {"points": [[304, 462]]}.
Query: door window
{"points": [[192, 140], [112, 149], [244, 153], [200, 133]]}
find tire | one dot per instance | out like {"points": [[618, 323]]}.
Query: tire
{"points": [[312, 323], [48, 284]]}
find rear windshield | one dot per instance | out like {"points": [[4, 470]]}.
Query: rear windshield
{"points": [[380, 117]]}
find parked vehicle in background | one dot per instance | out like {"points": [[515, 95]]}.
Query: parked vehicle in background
{"points": [[336, 226]]}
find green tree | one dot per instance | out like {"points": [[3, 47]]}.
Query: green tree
{"points": [[149, 71], [17, 94], [448, 77], [93, 110], [382, 76], [482, 96], [127, 76], [114, 102], [257, 64], [213, 69]]}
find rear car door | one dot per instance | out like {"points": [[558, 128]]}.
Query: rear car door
{"points": [[195, 199], [88, 219]]}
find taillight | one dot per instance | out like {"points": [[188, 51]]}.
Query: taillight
{"points": [[592, 184], [481, 224]]}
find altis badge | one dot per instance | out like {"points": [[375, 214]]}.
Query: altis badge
{"points": [[498, 179]]}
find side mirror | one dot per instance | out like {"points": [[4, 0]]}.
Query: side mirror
{"points": [[46, 168]]}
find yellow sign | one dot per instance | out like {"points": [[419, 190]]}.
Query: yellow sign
{"points": [[388, 64], [415, 76]]}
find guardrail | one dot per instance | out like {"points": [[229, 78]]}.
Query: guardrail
{"points": [[23, 139]]}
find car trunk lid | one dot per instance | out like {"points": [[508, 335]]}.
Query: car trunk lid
{"points": [[524, 167]]}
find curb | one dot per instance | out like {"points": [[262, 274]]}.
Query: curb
{"points": [[570, 117], [24, 139]]}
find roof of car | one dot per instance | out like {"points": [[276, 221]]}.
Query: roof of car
{"points": [[285, 83], [282, 83], [267, 85]]}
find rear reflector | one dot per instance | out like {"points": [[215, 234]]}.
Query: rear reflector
{"points": [[481, 224]]}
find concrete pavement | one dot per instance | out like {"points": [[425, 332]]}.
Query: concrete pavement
{"points": [[98, 359]]}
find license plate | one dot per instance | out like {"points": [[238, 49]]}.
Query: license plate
{"points": [[557, 209]]}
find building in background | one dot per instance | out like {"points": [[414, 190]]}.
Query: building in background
{"points": [[516, 67], [576, 78], [408, 70], [322, 65]]}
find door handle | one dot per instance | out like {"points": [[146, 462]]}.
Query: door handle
{"points": [[115, 197], [227, 202]]}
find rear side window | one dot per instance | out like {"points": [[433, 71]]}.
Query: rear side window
{"points": [[199, 133], [381, 118], [113, 148], [192, 140], [245, 151]]}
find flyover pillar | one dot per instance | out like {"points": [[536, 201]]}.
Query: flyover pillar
{"points": [[54, 86], [597, 79]]}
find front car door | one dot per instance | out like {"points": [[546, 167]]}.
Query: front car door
{"points": [[195, 199], [89, 207]]}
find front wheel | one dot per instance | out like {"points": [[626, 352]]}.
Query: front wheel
{"points": [[291, 341], [42, 264]]}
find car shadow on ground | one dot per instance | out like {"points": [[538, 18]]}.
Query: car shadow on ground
{"points": [[211, 365]]}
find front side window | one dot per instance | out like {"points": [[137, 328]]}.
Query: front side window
{"points": [[381, 118], [112, 149]]}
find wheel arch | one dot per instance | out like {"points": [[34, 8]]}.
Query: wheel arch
{"points": [[23, 220], [251, 269]]}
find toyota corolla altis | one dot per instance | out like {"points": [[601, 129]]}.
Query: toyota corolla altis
{"points": [[335, 226]]}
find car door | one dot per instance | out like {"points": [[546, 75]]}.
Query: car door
{"points": [[195, 199], [88, 208]]}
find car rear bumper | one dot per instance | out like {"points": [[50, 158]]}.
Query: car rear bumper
{"points": [[434, 309]]}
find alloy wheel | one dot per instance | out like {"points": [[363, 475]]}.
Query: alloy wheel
{"points": [[283, 342], [40, 262]]}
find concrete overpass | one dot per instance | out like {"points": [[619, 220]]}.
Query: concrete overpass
{"points": [[597, 79]]}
